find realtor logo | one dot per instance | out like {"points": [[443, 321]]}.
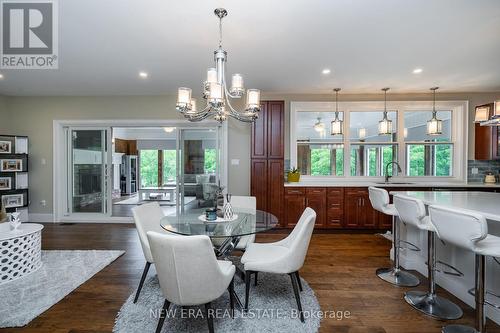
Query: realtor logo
{"points": [[29, 34]]}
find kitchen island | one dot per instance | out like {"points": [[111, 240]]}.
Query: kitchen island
{"points": [[485, 203]]}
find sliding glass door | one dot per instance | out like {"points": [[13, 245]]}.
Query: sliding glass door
{"points": [[88, 175]]}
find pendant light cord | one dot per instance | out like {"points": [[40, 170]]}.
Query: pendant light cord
{"points": [[220, 32]]}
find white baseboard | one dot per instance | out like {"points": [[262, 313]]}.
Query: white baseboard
{"points": [[37, 217]]}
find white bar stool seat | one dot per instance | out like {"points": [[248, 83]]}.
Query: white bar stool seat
{"points": [[379, 199], [469, 231]]}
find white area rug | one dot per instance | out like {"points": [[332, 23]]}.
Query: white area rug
{"points": [[272, 308], [24, 299]]}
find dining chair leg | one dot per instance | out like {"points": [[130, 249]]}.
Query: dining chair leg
{"points": [[210, 319], [247, 288], [231, 297], [293, 277], [298, 280], [143, 277], [255, 282], [166, 305]]}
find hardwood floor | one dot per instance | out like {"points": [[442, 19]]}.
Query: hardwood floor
{"points": [[339, 267]]}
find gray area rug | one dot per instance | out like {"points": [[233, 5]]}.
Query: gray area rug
{"points": [[24, 299], [271, 305]]}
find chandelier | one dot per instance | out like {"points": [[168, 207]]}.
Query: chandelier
{"points": [[216, 93]]}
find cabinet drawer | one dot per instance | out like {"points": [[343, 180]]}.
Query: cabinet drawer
{"points": [[316, 191], [336, 192], [335, 218], [295, 191], [356, 191]]}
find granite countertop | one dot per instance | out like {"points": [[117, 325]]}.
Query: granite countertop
{"points": [[394, 183]]}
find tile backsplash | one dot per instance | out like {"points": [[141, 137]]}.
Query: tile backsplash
{"points": [[483, 167]]}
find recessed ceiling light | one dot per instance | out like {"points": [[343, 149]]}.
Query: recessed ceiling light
{"points": [[143, 75], [326, 71], [1, 76], [417, 70], [169, 129]]}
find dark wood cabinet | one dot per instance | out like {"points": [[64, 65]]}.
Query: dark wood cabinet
{"points": [[258, 185], [335, 208], [358, 210], [295, 203], [275, 176], [486, 140], [275, 129], [267, 158], [316, 199], [259, 134]]}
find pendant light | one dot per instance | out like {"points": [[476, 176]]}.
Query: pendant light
{"points": [[385, 125], [319, 126], [337, 125], [434, 125]]}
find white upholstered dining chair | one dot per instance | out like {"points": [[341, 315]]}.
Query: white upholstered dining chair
{"points": [[248, 205], [147, 218], [189, 273], [283, 257]]}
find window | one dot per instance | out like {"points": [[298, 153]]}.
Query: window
{"points": [[428, 155], [321, 160], [210, 158], [148, 168], [169, 166], [371, 152], [319, 153], [362, 152]]}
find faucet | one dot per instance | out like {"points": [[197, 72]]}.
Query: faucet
{"points": [[387, 170]]}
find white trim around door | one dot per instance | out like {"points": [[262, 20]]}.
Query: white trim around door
{"points": [[59, 145]]}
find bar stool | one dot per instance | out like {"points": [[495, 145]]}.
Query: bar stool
{"points": [[412, 211], [468, 230], [379, 199]]}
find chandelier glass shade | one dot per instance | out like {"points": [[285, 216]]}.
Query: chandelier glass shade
{"points": [[434, 125], [217, 94], [337, 125], [385, 125]]}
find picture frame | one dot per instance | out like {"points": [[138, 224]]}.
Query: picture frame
{"points": [[5, 147], [13, 200], [11, 165], [5, 183]]}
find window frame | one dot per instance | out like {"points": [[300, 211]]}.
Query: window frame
{"points": [[459, 131]]}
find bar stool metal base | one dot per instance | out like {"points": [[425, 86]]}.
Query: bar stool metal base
{"points": [[398, 277], [433, 305], [459, 329]]}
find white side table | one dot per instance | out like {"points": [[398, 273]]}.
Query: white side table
{"points": [[20, 250]]}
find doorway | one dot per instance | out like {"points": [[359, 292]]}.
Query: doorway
{"points": [[109, 170]]}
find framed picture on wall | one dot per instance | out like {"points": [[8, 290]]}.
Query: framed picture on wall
{"points": [[13, 200], [5, 183], [11, 165], [5, 147]]}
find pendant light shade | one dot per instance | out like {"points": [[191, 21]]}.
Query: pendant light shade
{"points": [[434, 125], [385, 125], [337, 125]]}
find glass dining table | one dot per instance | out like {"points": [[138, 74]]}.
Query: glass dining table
{"points": [[225, 234]]}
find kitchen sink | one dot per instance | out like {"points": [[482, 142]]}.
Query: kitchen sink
{"points": [[394, 183]]}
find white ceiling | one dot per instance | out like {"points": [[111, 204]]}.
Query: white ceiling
{"points": [[279, 46]]}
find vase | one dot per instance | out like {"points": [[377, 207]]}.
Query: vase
{"points": [[228, 209]]}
